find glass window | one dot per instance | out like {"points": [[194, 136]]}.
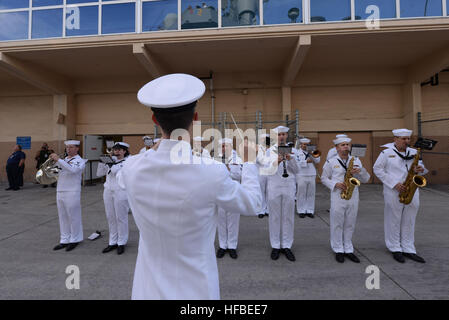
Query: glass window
{"points": [[47, 23], [41, 3], [330, 10], [118, 18], [81, 21], [387, 8], [199, 14], [80, 1], [14, 25], [421, 8], [160, 15], [14, 4], [240, 13], [282, 11]]}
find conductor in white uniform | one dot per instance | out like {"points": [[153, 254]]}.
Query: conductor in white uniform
{"points": [[175, 203], [68, 196]]}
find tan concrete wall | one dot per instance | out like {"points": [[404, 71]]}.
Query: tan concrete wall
{"points": [[329, 101], [435, 105], [24, 116]]}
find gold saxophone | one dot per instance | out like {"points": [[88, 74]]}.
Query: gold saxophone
{"points": [[412, 182], [350, 182]]}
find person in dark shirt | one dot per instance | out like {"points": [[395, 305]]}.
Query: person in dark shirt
{"points": [[42, 156], [14, 167]]}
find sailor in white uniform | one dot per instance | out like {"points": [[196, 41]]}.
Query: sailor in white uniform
{"points": [[175, 203], [332, 153], [115, 199], [68, 196], [198, 149], [148, 142], [262, 157], [392, 167], [281, 199], [343, 213], [228, 222], [305, 180]]}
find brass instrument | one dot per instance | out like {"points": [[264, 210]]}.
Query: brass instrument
{"points": [[316, 153], [48, 172], [412, 182], [350, 182]]}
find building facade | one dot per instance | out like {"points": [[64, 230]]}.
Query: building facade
{"points": [[72, 68]]}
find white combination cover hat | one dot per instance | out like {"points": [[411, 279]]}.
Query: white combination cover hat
{"points": [[304, 140], [341, 140], [402, 132], [170, 91], [72, 142]]}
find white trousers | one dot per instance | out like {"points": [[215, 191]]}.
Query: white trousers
{"points": [[69, 212], [399, 222], [228, 229], [116, 207], [305, 194], [281, 221], [343, 215], [263, 188]]}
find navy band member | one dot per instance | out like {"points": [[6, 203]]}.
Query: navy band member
{"points": [[148, 142], [343, 213], [68, 196], [332, 153], [262, 156], [115, 199], [392, 167], [175, 203], [228, 222], [305, 180], [281, 199]]}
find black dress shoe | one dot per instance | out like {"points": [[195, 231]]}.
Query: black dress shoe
{"points": [[232, 253], [398, 256], [109, 248], [261, 216], [267, 214], [310, 215], [340, 257], [60, 246], [71, 246], [414, 257], [302, 215], [289, 254], [120, 249], [8, 188], [352, 257], [275, 254], [221, 252]]}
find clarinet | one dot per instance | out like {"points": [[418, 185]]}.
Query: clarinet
{"points": [[285, 174]]}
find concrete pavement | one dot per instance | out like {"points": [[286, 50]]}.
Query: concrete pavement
{"points": [[30, 269]]}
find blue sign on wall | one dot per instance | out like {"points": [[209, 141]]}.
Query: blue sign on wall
{"points": [[25, 142]]}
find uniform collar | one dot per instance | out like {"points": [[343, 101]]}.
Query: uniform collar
{"points": [[168, 144]]}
